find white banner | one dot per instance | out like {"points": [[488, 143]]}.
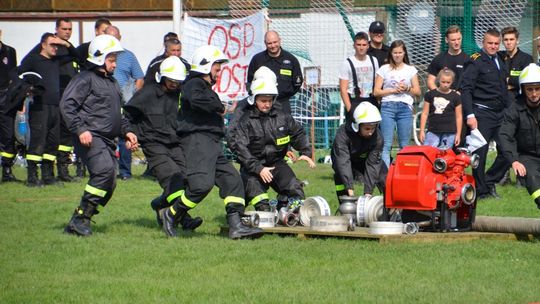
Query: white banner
{"points": [[239, 39]]}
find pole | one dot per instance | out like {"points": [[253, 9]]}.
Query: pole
{"points": [[177, 15], [312, 123]]}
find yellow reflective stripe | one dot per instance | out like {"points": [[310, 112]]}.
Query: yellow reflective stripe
{"points": [[283, 140], [173, 212], [259, 198], [340, 187], [187, 202], [175, 195], [33, 157], [65, 148], [285, 72], [234, 199], [515, 73], [535, 194], [7, 155], [95, 191], [49, 157]]}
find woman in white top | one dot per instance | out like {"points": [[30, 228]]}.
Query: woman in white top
{"points": [[397, 85]]}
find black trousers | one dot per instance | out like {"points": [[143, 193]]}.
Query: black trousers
{"points": [[100, 160], [206, 167], [489, 122], [7, 133], [44, 123], [65, 143], [284, 183], [168, 164], [359, 172], [532, 178]]}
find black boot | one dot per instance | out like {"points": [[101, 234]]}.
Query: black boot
{"points": [[7, 173], [62, 164], [170, 216], [263, 206], [32, 171], [47, 173], [80, 172], [80, 220], [189, 223], [237, 230]]}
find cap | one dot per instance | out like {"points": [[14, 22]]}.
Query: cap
{"points": [[377, 27]]}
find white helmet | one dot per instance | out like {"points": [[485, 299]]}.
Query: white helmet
{"points": [[265, 72], [365, 112], [102, 46], [205, 56], [262, 86], [529, 75], [173, 68]]}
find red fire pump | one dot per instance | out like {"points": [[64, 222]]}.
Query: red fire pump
{"points": [[431, 188]]}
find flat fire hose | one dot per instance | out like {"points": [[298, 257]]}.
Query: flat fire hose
{"points": [[313, 206], [516, 225], [330, 223], [370, 210]]}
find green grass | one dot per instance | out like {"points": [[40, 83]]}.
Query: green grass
{"points": [[129, 260]]}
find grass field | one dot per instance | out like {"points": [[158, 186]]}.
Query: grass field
{"points": [[129, 260]]}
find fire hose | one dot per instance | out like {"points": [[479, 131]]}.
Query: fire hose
{"points": [[515, 225]]}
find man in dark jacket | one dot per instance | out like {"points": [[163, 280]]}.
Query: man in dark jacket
{"points": [[201, 130], [520, 132], [357, 151], [153, 113], [8, 61], [262, 139], [91, 107]]}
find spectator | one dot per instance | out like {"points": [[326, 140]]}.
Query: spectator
{"points": [[130, 78], [357, 76], [520, 132], [377, 48], [514, 58], [442, 111], [453, 59], [173, 47], [397, 85], [99, 29], [484, 97]]}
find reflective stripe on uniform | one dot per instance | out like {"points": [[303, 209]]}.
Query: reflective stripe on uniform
{"points": [[175, 195], [515, 73], [535, 194], [49, 157], [187, 202], [340, 187], [65, 148], [259, 198], [285, 72], [95, 191], [33, 157], [234, 199], [283, 140], [7, 155]]}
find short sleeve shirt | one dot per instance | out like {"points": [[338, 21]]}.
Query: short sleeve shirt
{"points": [[392, 77], [442, 110], [365, 72]]}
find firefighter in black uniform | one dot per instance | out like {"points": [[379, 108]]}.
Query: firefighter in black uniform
{"points": [[514, 58], [8, 61], [201, 130], [283, 64], [484, 97], [153, 113], [44, 114], [520, 131], [91, 108], [356, 152], [263, 137]]}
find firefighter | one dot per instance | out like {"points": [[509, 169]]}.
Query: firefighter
{"points": [[262, 139], [91, 107], [201, 130], [152, 112], [520, 131], [357, 152]]}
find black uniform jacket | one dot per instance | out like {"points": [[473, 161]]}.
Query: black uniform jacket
{"points": [[263, 139], [482, 83], [514, 65], [285, 66], [520, 131], [201, 109], [153, 113], [92, 102], [350, 150]]}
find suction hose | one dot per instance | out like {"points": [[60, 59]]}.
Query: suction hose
{"points": [[516, 225]]}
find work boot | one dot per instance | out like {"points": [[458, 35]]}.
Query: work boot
{"points": [[62, 165], [7, 174], [157, 204], [189, 223], [80, 170], [169, 217], [80, 220], [32, 173], [47, 173], [237, 230], [263, 206]]}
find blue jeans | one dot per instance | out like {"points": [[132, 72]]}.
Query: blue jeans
{"points": [[124, 162], [395, 115], [442, 141]]}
